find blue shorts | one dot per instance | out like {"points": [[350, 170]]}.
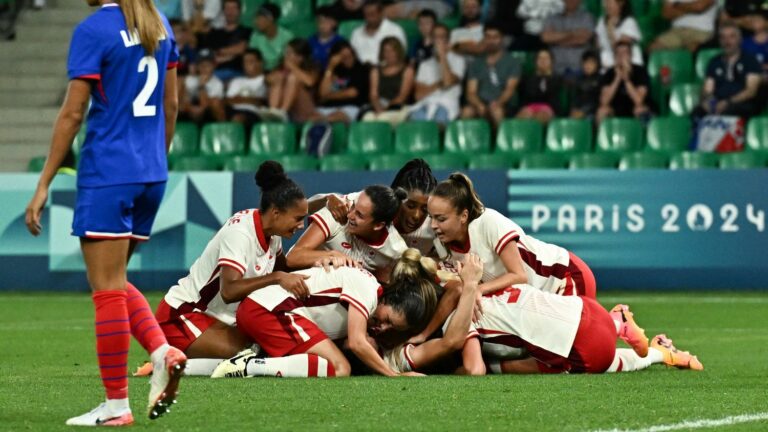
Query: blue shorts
{"points": [[117, 212]]}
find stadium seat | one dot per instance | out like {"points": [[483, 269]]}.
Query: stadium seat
{"points": [[620, 135], [292, 11], [411, 29], [669, 134], [702, 61], [742, 160], [527, 60], [223, 139], [417, 137], [543, 161], [273, 139], [693, 160], [757, 134], [519, 136], [195, 163], [446, 161], [684, 98], [569, 136], [680, 66], [643, 160], [468, 137], [298, 163], [243, 163], [186, 140], [384, 162], [347, 27], [303, 29], [343, 163], [369, 138], [494, 161], [339, 137], [36, 164], [581, 161], [248, 10]]}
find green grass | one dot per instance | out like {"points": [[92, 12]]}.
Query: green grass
{"points": [[48, 373]]}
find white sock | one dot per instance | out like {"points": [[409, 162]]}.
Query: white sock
{"points": [[201, 366], [627, 360], [158, 355], [295, 366], [118, 406]]}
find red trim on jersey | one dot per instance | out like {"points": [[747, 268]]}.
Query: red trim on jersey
{"points": [[172, 65], [313, 300], [483, 331], [557, 270], [103, 237], [504, 241], [408, 357], [96, 77], [207, 294], [472, 334], [321, 224], [233, 264], [100, 86], [380, 241], [463, 249], [356, 304], [329, 291], [260, 231]]}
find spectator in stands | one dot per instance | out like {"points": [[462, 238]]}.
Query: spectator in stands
{"points": [[391, 84], [202, 15], [693, 22], [270, 38], [757, 44], [585, 90], [438, 82], [535, 13], [201, 95], [733, 79], [367, 38], [186, 43], [569, 35], [410, 9], [624, 87], [292, 86], [491, 80], [617, 25], [422, 49], [229, 42], [344, 87], [347, 10], [467, 39], [170, 8], [326, 36], [540, 91], [739, 12], [246, 95]]}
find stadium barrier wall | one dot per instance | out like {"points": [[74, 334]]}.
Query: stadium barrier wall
{"points": [[636, 229]]}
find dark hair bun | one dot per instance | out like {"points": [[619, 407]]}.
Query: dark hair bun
{"points": [[400, 194], [270, 175]]}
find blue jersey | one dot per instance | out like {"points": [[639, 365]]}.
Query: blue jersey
{"points": [[125, 142]]}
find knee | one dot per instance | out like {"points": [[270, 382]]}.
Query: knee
{"points": [[341, 367]]}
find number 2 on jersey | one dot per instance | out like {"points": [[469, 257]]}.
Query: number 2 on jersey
{"points": [[140, 107]]}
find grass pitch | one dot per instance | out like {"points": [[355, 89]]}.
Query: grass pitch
{"points": [[48, 373]]}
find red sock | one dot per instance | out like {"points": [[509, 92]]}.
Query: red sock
{"points": [[144, 325], [113, 338]]}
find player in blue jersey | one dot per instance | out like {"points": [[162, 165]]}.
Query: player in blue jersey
{"points": [[122, 58]]}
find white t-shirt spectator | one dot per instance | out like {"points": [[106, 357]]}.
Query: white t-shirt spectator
{"points": [[466, 34], [247, 87], [429, 73], [211, 12], [534, 12], [628, 27], [704, 21], [367, 46], [214, 87]]}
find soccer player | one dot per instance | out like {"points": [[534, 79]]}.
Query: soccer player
{"points": [[346, 302], [122, 58], [198, 314]]}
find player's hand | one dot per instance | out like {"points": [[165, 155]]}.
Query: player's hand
{"points": [[471, 270], [338, 208], [412, 374], [294, 284], [416, 340], [35, 211], [336, 260]]}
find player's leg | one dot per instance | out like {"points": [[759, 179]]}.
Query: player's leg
{"points": [[583, 278], [628, 330], [521, 366], [218, 341]]}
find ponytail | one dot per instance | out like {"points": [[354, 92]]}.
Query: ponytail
{"points": [[277, 190], [460, 191], [413, 290], [142, 17]]}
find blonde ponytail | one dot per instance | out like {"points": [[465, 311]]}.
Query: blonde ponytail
{"points": [[460, 191], [142, 17], [417, 274]]}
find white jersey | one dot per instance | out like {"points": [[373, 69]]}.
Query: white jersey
{"points": [[422, 238], [331, 294], [545, 264], [239, 244]]}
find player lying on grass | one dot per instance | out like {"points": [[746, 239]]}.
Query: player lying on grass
{"points": [[346, 302]]}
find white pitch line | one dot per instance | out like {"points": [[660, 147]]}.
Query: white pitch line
{"points": [[698, 424]]}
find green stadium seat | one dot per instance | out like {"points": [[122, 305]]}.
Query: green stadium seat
{"points": [[757, 134], [519, 136], [370, 138], [347, 27], [343, 163], [620, 135], [292, 11], [298, 163], [186, 140], [77, 143], [527, 60], [702, 61], [684, 98], [669, 134], [494, 161], [643, 160], [273, 139], [543, 161], [446, 161], [582, 161], [680, 65], [468, 137], [693, 160], [319, 3], [222, 139], [338, 137], [417, 137], [742, 160], [36, 164], [411, 29], [303, 29], [243, 163], [569, 136], [248, 10], [384, 162], [595, 7], [196, 163]]}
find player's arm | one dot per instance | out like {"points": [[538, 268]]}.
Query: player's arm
{"points": [[306, 252], [235, 288], [472, 358], [67, 125], [357, 332], [448, 302], [510, 257], [336, 205], [171, 105]]}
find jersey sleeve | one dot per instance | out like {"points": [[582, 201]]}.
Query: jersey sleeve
{"points": [[471, 332], [499, 231], [173, 57], [234, 250], [399, 359], [327, 224], [85, 54], [360, 290]]}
